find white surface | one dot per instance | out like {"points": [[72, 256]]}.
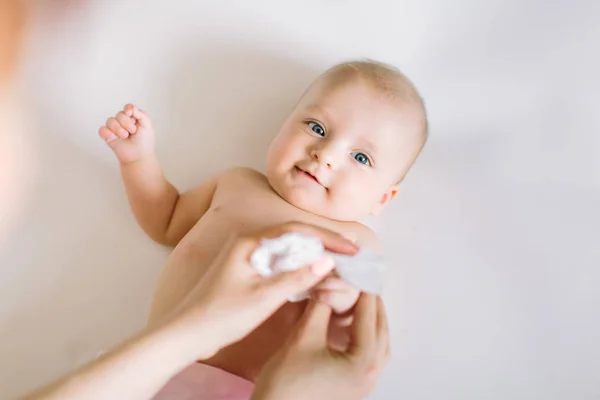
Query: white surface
{"points": [[494, 294]]}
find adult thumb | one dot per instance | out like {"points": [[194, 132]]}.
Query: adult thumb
{"points": [[292, 283], [312, 328]]}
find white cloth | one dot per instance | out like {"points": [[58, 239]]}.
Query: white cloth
{"points": [[291, 251]]}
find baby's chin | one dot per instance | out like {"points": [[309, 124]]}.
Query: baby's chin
{"points": [[307, 204], [315, 204]]}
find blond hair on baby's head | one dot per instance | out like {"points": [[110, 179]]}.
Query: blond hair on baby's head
{"points": [[385, 78]]}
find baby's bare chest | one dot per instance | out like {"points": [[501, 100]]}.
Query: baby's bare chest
{"points": [[247, 203], [239, 206], [247, 207]]}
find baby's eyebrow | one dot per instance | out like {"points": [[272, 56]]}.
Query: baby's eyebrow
{"points": [[368, 145], [318, 109]]}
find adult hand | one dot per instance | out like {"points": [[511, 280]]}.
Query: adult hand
{"points": [[306, 368], [228, 303], [232, 299]]}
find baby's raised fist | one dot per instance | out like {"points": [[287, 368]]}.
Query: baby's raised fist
{"points": [[129, 134]]}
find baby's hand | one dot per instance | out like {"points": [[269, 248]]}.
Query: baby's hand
{"points": [[336, 293], [129, 134], [341, 297]]}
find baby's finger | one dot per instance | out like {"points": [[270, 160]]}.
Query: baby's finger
{"points": [[107, 135], [126, 122], [116, 128], [332, 299], [136, 113], [340, 301], [332, 283]]}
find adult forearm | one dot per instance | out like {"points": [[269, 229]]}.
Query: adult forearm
{"points": [[135, 370]]}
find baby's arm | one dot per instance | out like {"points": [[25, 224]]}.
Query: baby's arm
{"points": [[162, 212]]}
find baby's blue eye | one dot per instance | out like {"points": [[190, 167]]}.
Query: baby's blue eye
{"points": [[361, 158], [316, 128]]}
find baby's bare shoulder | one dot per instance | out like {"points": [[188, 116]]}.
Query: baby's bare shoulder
{"points": [[243, 173], [365, 236], [237, 176], [240, 179]]}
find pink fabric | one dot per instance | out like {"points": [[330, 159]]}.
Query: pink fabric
{"points": [[201, 381]]}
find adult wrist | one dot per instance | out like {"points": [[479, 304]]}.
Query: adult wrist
{"points": [[188, 337]]}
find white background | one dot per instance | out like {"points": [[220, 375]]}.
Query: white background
{"points": [[493, 241]]}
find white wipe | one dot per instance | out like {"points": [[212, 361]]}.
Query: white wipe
{"points": [[291, 251]]}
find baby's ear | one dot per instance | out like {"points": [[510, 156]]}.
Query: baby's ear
{"points": [[385, 199]]}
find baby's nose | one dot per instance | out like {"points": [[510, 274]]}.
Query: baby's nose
{"points": [[325, 155], [321, 159]]}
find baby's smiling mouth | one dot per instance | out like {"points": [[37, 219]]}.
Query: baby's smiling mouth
{"points": [[306, 174]]}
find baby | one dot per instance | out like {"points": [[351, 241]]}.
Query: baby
{"points": [[338, 157]]}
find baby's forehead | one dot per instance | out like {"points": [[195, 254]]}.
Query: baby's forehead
{"points": [[389, 128], [356, 107]]}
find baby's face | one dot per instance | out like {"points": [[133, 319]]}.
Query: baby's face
{"points": [[342, 151]]}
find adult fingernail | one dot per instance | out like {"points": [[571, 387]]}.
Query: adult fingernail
{"points": [[323, 266]]}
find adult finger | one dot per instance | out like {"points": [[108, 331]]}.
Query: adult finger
{"points": [[245, 245], [383, 333], [291, 283], [312, 328], [363, 340]]}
